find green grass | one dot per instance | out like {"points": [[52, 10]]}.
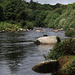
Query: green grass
{"points": [[8, 27]]}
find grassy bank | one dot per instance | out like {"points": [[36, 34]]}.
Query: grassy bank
{"points": [[64, 52], [67, 65], [4, 26]]}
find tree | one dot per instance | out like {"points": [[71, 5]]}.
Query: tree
{"points": [[31, 1], [1, 14], [39, 21]]}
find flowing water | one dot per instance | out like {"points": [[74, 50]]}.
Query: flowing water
{"points": [[18, 53]]}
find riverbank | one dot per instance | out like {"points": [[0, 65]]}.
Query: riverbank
{"points": [[64, 52], [67, 65], [7, 27]]}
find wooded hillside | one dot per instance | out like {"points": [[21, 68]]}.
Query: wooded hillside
{"points": [[29, 15]]}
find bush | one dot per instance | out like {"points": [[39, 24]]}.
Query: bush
{"points": [[67, 65], [66, 47], [22, 23], [29, 25], [70, 33], [8, 27]]}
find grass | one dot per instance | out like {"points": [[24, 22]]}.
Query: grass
{"points": [[67, 65], [8, 27]]}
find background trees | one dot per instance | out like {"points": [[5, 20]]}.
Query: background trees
{"points": [[44, 15]]}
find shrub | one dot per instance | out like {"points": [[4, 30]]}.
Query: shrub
{"points": [[22, 23], [66, 47], [8, 27], [67, 65], [29, 25], [70, 33]]}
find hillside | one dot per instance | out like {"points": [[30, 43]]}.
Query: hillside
{"points": [[29, 15]]}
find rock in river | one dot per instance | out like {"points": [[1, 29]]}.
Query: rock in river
{"points": [[48, 66], [47, 40]]}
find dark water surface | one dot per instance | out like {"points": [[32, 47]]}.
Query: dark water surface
{"points": [[18, 53]]}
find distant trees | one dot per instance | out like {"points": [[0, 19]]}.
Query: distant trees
{"points": [[31, 1], [1, 1], [39, 20], [13, 9], [36, 14]]}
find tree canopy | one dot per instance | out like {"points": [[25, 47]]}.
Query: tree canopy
{"points": [[43, 15]]}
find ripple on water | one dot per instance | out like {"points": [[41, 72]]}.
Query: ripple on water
{"points": [[18, 53]]}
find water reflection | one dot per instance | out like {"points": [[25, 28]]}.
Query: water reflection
{"points": [[44, 49]]}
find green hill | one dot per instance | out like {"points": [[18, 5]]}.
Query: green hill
{"points": [[29, 15]]}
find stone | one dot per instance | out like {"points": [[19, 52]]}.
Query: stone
{"points": [[38, 30], [48, 66], [47, 40], [55, 30], [45, 35]]}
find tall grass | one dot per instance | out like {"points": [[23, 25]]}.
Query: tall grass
{"points": [[8, 27]]}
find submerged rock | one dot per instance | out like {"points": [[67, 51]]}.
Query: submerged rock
{"points": [[48, 66], [38, 30], [45, 35], [56, 30], [47, 40]]}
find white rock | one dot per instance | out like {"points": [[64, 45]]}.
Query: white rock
{"points": [[47, 40]]}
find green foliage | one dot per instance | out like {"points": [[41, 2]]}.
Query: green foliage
{"points": [[12, 8], [42, 15], [23, 23], [61, 17], [69, 67], [66, 47], [32, 5], [51, 18], [21, 16], [8, 27], [29, 14], [29, 25], [66, 20], [70, 33], [39, 20], [73, 5]]}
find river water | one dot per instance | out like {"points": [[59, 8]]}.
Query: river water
{"points": [[18, 53]]}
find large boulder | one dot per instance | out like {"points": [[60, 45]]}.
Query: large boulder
{"points": [[47, 40], [48, 66]]}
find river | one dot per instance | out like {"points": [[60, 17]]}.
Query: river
{"points": [[18, 53]]}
